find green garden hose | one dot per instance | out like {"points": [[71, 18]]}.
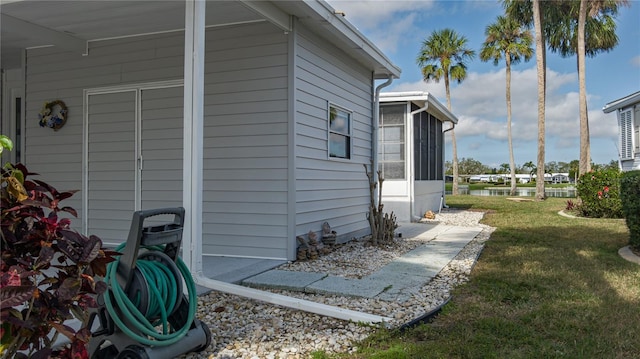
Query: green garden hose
{"points": [[163, 299]]}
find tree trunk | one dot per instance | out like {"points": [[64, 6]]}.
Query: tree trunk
{"points": [[512, 162], [585, 149], [454, 147], [541, 69], [383, 225]]}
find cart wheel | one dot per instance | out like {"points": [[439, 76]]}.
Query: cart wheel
{"points": [[207, 334], [133, 352], [105, 353]]}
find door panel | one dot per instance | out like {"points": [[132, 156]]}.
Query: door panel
{"points": [[134, 158], [111, 165], [161, 148]]}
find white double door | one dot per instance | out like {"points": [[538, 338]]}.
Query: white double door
{"points": [[133, 156]]}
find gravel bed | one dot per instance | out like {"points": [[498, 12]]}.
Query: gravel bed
{"points": [[244, 328]]}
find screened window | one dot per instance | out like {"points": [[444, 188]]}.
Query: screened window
{"points": [[339, 132], [427, 147], [391, 149]]}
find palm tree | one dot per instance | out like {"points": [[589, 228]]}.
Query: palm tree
{"points": [[444, 55], [584, 28], [533, 170], [527, 12], [505, 36], [541, 63], [529, 167], [585, 144]]}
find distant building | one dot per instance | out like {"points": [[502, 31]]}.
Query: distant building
{"points": [[628, 114], [520, 178], [559, 177]]}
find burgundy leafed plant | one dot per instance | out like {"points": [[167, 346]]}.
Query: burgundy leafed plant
{"points": [[47, 270]]}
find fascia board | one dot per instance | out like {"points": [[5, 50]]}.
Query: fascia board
{"points": [[416, 96], [622, 103], [320, 12]]}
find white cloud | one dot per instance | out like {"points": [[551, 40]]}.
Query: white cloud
{"points": [[479, 102], [369, 14], [388, 24], [398, 28]]}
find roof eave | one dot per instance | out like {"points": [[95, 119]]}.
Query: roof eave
{"points": [[622, 102], [420, 96], [323, 14]]}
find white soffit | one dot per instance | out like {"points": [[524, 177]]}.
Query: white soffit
{"points": [[71, 24]]}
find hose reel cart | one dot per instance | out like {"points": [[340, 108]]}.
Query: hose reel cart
{"points": [[145, 313]]}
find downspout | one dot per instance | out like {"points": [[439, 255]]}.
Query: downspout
{"points": [[374, 130], [412, 178], [291, 302]]}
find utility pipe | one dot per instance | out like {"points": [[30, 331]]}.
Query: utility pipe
{"points": [[291, 302], [374, 130]]}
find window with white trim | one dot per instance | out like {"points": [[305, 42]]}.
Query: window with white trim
{"points": [[636, 138], [340, 128], [391, 141], [626, 135]]}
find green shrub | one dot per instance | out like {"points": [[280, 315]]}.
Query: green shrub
{"points": [[599, 193], [630, 197]]}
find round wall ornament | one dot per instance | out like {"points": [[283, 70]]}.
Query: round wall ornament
{"points": [[53, 114]]}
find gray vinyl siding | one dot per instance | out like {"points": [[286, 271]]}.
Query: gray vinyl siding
{"points": [[246, 135], [161, 145], [111, 165], [245, 146], [330, 190]]}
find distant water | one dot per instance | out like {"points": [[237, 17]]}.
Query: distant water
{"points": [[521, 192]]}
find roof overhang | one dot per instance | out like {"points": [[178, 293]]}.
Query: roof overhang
{"points": [[422, 99], [73, 25], [323, 18], [621, 103]]}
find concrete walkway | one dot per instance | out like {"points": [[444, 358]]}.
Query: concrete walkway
{"points": [[396, 281]]}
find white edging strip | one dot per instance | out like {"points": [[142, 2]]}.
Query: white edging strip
{"points": [[291, 302]]}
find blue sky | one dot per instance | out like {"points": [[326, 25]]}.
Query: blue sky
{"points": [[399, 27]]}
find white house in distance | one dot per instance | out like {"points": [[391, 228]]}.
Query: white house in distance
{"points": [[411, 152], [628, 114], [256, 116]]}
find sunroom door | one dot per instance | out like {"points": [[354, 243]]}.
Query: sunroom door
{"points": [[133, 157]]}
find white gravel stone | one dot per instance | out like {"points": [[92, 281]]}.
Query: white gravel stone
{"points": [[244, 328]]}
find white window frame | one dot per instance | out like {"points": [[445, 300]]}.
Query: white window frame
{"points": [[348, 135], [625, 124], [636, 126], [404, 144]]}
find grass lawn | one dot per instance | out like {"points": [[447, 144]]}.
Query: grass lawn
{"points": [[545, 286]]}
